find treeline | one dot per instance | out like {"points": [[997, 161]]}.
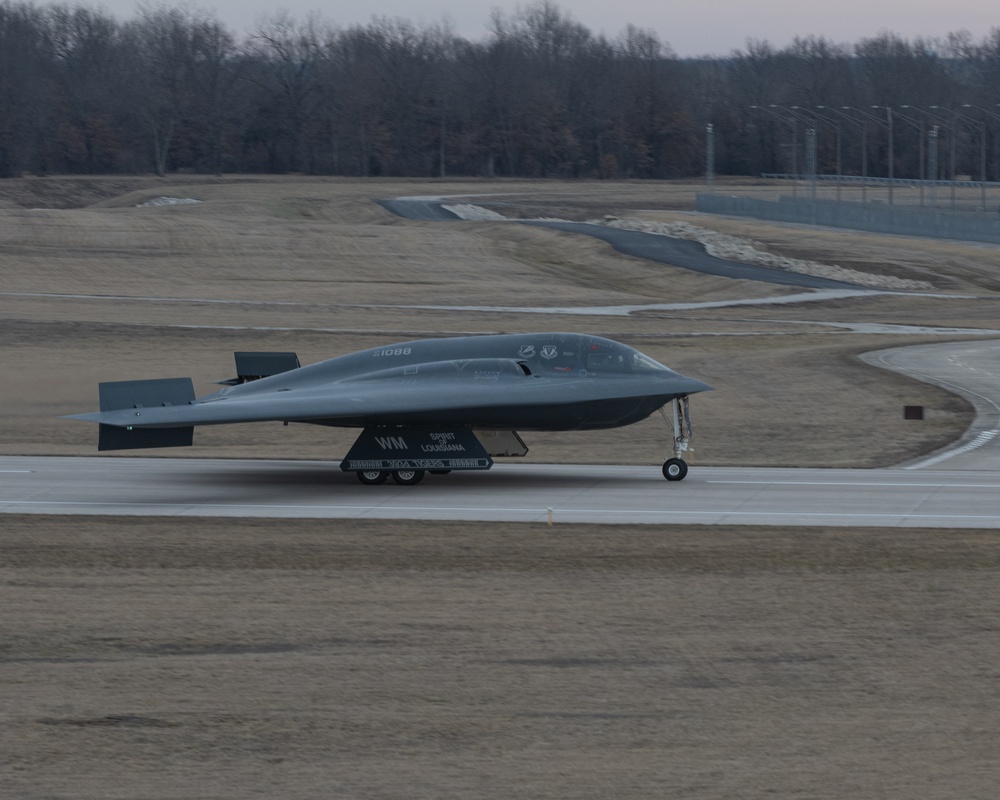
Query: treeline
{"points": [[540, 95]]}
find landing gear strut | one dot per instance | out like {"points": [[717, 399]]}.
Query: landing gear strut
{"points": [[674, 469]]}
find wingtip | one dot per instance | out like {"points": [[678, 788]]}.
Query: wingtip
{"points": [[85, 417]]}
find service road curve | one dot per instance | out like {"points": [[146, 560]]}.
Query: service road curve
{"points": [[661, 249], [508, 492]]}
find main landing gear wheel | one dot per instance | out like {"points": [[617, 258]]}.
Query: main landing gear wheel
{"points": [[674, 469], [408, 477], [372, 477]]}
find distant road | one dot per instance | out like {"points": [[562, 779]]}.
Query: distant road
{"points": [[651, 246]]}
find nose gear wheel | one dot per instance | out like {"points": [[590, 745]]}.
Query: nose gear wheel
{"points": [[676, 468]]}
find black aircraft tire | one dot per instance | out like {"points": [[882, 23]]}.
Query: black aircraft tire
{"points": [[408, 477], [372, 477], [674, 469]]}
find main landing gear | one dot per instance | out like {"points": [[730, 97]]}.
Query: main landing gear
{"points": [[404, 477], [676, 468]]}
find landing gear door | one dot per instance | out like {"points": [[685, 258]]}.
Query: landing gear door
{"points": [[416, 448], [503, 443]]}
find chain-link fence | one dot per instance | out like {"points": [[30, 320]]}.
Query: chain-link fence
{"points": [[967, 210]]}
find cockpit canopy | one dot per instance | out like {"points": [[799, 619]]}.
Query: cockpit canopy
{"points": [[619, 358], [583, 355]]}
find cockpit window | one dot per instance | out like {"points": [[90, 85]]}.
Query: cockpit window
{"points": [[643, 363], [621, 359], [613, 362]]}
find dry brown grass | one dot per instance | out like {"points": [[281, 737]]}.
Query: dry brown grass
{"points": [[240, 658], [161, 658], [315, 265]]}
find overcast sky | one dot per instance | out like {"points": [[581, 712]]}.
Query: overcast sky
{"points": [[705, 27]]}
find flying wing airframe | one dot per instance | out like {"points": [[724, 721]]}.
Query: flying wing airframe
{"points": [[429, 405]]}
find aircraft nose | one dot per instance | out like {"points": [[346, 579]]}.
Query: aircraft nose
{"points": [[692, 385]]}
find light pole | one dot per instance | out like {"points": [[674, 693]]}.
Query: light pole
{"points": [[709, 157], [933, 150], [932, 157], [811, 161], [951, 149], [888, 126], [864, 146], [836, 125], [982, 148], [951, 146], [892, 158], [919, 125], [935, 120], [795, 144], [810, 153]]}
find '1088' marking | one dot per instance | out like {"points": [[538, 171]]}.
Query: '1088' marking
{"points": [[393, 351]]}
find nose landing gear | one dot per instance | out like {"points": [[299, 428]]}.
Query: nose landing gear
{"points": [[676, 468]]}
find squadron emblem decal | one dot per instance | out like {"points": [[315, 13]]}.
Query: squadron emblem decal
{"points": [[550, 351], [526, 351]]}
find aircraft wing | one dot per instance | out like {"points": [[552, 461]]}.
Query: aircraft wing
{"points": [[548, 382], [488, 398]]}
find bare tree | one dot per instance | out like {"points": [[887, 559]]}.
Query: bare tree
{"points": [[160, 47], [287, 73]]}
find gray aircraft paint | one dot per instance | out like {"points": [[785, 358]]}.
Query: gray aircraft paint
{"points": [[543, 381]]}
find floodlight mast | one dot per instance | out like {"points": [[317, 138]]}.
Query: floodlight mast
{"points": [[890, 167], [793, 121], [864, 146], [982, 149]]}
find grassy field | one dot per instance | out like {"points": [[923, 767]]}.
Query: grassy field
{"points": [[112, 292], [166, 658]]}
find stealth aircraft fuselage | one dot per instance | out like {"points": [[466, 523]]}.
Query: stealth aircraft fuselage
{"points": [[509, 382]]}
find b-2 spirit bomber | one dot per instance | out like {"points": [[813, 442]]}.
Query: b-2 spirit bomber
{"points": [[430, 405]]}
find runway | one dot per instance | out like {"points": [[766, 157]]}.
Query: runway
{"points": [[956, 487], [508, 492]]}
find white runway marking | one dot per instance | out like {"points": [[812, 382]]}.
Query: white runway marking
{"points": [[869, 483], [979, 441], [509, 492], [402, 511]]}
